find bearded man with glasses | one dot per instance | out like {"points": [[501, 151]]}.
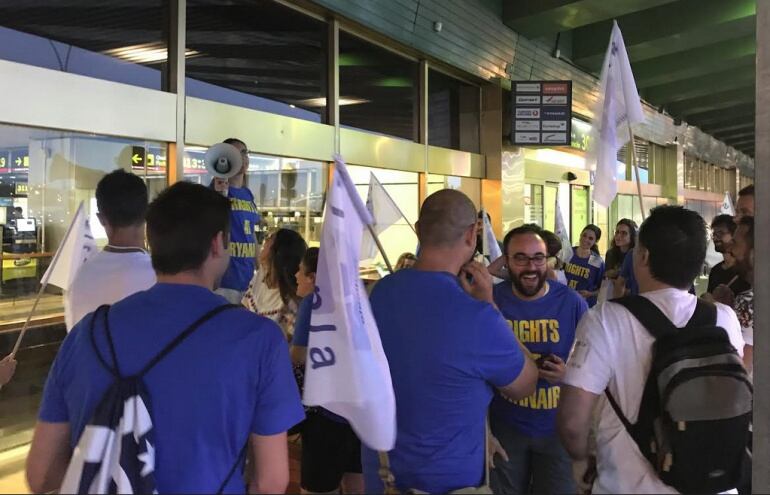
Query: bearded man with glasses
{"points": [[543, 315]]}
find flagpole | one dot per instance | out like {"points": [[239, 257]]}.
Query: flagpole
{"points": [[379, 246], [636, 170], [29, 318]]}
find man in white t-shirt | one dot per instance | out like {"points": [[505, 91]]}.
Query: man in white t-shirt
{"points": [[614, 351], [123, 267]]}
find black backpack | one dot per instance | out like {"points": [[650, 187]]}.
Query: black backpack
{"points": [[116, 451], [694, 422]]}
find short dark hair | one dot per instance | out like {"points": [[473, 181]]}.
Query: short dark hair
{"points": [[529, 228], [748, 222], [444, 217], [747, 191], [676, 240], [234, 141], [724, 221], [310, 260], [181, 223], [122, 199], [552, 242]]}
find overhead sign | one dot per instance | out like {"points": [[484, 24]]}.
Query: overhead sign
{"points": [[542, 113], [19, 160], [137, 156]]}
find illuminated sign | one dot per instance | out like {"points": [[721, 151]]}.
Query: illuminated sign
{"points": [[21, 189], [542, 112]]}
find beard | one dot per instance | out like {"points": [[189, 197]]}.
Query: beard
{"points": [[525, 287]]}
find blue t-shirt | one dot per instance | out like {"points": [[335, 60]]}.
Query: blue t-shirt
{"points": [[627, 272], [244, 219], [585, 274], [544, 326], [230, 378], [447, 352]]}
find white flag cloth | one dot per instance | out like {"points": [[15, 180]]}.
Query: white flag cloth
{"points": [[489, 242], [347, 371], [618, 107], [727, 206], [563, 234], [384, 213], [76, 247]]}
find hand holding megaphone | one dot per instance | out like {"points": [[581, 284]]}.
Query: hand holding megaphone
{"points": [[223, 160]]}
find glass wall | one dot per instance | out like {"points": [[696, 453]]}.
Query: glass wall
{"points": [[47, 174], [453, 113], [470, 186], [289, 192], [378, 89], [117, 41], [257, 54], [400, 237]]}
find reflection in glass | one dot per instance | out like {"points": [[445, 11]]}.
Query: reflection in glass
{"points": [[378, 89], [453, 113]]}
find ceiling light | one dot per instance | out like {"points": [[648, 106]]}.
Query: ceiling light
{"points": [[321, 102], [147, 53]]}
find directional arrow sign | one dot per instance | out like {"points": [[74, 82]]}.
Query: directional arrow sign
{"points": [[137, 156], [18, 161]]}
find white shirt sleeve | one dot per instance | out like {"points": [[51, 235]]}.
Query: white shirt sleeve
{"points": [[727, 319], [589, 366]]}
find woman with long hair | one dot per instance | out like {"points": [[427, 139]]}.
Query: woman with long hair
{"points": [[272, 292], [622, 243], [585, 270]]}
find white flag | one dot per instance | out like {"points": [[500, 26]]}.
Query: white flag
{"points": [[347, 371], [563, 234], [727, 206], [618, 108], [384, 213], [76, 247], [489, 242]]}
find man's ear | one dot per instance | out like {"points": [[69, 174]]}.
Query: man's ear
{"points": [[219, 245]]}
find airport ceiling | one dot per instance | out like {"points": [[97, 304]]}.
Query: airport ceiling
{"points": [[695, 59], [692, 58]]}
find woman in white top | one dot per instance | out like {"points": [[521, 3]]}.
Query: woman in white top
{"points": [[272, 292]]}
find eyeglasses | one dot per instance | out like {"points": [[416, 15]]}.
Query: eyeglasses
{"points": [[244, 152], [520, 259], [716, 234]]}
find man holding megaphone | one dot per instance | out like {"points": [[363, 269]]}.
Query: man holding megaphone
{"points": [[229, 161]]}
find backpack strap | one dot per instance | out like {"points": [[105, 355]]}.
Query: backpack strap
{"points": [[705, 315], [648, 314], [238, 461], [115, 368], [181, 337]]}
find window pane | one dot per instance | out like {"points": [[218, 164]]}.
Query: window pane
{"points": [[403, 189], [453, 113], [257, 54], [378, 89], [47, 174], [579, 211], [116, 40], [288, 192]]}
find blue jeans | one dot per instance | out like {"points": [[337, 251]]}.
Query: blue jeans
{"points": [[535, 464]]}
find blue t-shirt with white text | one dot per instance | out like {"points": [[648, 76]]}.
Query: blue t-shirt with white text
{"points": [[447, 352], [544, 326], [585, 274], [230, 378], [244, 220]]}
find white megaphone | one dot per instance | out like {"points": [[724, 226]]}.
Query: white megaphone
{"points": [[223, 160]]}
